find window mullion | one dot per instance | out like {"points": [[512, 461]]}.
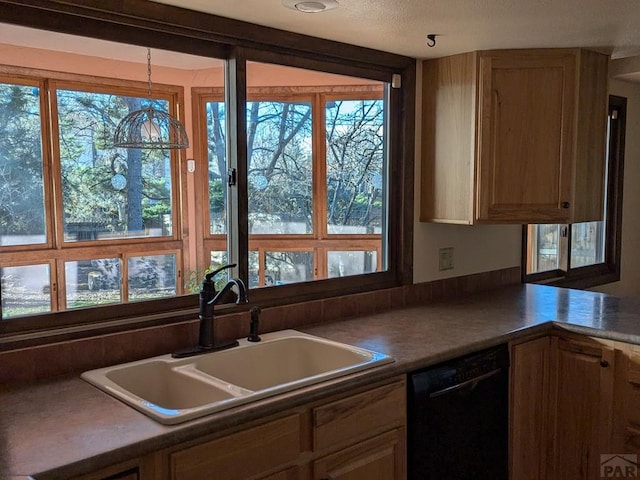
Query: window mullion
{"points": [[393, 203], [319, 182], [57, 287], [564, 247], [180, 199], [201, 184], [319, 167], [51, 157], [237, 205]]}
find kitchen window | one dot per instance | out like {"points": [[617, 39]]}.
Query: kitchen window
{"points": [[291, 181], [587, 254], [317, 177]]}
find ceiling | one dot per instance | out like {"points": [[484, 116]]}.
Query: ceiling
{"points": [[401, 26]]}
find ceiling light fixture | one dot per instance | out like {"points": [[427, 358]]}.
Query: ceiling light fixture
{"points": [[150, 128], [305, 6]]}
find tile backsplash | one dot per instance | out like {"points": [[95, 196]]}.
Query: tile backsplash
{"points": [[74, 356]]}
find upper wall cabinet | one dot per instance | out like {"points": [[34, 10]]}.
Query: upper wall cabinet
{"points": [[514, 136]]}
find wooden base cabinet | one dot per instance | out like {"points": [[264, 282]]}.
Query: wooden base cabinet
{"points": [[346, 437], [561, 407], [354, 436]]}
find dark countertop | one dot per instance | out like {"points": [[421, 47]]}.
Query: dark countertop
{"points": [[64, 426]]}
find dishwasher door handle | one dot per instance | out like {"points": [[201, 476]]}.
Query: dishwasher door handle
{"points": [[458, 386]]}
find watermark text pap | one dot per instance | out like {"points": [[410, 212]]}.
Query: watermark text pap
{"points": [[618, 465]]}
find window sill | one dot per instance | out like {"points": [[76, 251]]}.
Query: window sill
{"points": [[583, 278]]}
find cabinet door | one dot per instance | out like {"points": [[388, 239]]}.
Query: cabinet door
{"points": [[526, 136], [245, 454], [582, 417], [125, 476], [293, 473], [117, 473], [360, 416], [448, 139], [626, 421], [529, 434], [380, 458]]}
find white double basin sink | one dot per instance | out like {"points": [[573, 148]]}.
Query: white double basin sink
{"points": [[172, 390]]}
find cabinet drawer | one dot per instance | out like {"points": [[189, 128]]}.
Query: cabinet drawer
{"points": [[359, 416], [243, 454], [381, 457], [291, 473]]}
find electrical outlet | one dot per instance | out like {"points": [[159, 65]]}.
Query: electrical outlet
{"points": [[445, 259]]}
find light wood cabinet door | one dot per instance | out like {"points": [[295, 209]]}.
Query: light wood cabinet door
{"points": [[626, 421], [529, 436], [527, 104], [583, 407], [242, 455], [360, 416], [379, 458], [448, 139]]}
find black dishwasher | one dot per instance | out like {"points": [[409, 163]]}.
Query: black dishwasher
{"points": [[458, 418]]}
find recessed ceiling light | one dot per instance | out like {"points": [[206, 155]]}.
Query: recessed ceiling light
{"points": [[308, 6]]}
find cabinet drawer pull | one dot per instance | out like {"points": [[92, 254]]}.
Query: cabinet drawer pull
{"points": [[565, 204], [604, 363]]}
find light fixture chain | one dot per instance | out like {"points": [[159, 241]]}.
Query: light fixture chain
{"points": [[149, 128], [149, 72]]}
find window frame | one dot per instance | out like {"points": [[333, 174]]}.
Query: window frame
{"points": [[400, 268], [19, 76], [174, 97], [172, 28], [320, 241], [608, 271]]}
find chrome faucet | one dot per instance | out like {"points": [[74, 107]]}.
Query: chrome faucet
{"points": [[209, 297]]}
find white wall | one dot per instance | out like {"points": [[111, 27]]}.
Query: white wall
{"points": [[629, 284], [478, 248]]}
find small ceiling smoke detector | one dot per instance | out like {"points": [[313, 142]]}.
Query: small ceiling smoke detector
{"points": [[310, 6]]}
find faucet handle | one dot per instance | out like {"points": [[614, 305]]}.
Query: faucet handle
{"points": [[253, 327], [210, 275]]}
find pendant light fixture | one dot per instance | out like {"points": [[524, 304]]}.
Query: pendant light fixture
{"points": [[150, 128]]}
